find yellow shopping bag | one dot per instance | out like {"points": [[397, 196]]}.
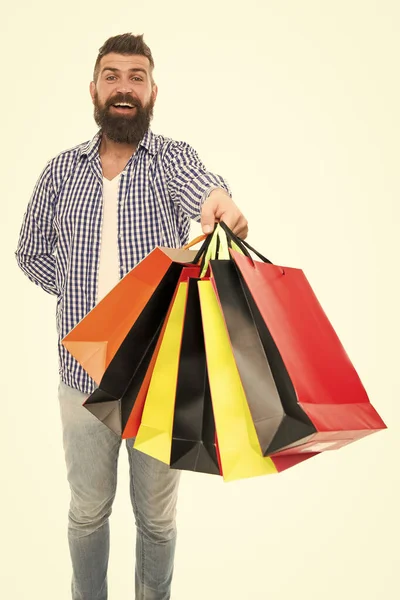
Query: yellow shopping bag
{"points": [[239, 448], [154, 436]]}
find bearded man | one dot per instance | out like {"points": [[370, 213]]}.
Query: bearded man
{"points": [[97, 209]]}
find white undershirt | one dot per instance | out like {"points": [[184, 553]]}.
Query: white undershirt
{"points": [[108, 275]]}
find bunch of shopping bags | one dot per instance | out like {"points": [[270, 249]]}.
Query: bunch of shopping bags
{"points": [[221, 362]]}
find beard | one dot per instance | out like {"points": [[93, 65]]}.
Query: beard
{"points": [[123, 129]]}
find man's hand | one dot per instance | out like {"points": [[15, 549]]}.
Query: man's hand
{"points": [[219, 206]]}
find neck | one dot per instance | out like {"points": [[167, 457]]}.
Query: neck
{"points": [[114, 149]]}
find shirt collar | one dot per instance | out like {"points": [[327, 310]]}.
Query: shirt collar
{"points": [[149, 142], [91, 148]]}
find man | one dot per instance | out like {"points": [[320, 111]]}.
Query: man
{"points": [[96, 211]]}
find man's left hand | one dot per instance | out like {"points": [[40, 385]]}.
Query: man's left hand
{"points": [[219, 206]]}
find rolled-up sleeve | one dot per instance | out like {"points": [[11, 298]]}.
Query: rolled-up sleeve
{"points": [[37, 239], [188, 180]]}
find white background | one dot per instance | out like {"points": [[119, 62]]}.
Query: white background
{"points": [[296, 103]]}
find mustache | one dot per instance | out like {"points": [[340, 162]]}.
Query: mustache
{"points": [[123, 98]]}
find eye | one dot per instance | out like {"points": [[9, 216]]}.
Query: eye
{"points": [[135, 77]]}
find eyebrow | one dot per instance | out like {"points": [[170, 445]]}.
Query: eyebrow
{"points": [[115, 70]]}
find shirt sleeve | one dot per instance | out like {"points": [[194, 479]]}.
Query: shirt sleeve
{"points": [[38, 237], [189, 182]]}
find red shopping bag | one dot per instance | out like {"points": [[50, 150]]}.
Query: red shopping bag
{"points": [[310, 366]]}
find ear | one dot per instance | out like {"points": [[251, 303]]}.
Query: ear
{"points": [[92, 89], [154, 92]]}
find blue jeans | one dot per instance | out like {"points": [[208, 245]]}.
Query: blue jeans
{"points": [[91, 455]]}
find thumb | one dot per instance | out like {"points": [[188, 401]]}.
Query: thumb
{"points": [[207, 218]]}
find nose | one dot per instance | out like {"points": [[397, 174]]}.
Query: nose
{"points": [[125, 87]]}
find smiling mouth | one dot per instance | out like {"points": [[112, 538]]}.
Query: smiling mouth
{"points": [[122, 107]]}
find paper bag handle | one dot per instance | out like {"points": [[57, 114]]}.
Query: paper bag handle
{"points": [[196, 240], [242, 244]]}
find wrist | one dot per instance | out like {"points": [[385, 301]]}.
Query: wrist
{"points": [[214, 191]]}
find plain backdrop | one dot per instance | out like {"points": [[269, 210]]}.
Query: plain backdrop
{"points": [[296, 103]]}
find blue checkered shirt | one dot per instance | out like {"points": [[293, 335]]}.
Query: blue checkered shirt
{"points": [[162, 187]]}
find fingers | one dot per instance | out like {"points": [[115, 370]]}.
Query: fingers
{"points": [[207, 218], [237, 224], [220, 208], [242, 233]]}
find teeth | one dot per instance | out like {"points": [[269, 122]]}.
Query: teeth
{"points": [[124, 104]]}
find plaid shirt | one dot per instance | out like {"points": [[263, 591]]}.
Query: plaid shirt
{"points": [[162, 187]]}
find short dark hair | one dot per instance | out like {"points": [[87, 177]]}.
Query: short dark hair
{"points": [[127, 44]]}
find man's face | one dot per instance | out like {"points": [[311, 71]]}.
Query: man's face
{"points": [[123, 80]]}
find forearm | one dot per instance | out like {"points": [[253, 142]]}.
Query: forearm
{"points": [[41, 270], [195, 192], [189, 182], [37, 238]]}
